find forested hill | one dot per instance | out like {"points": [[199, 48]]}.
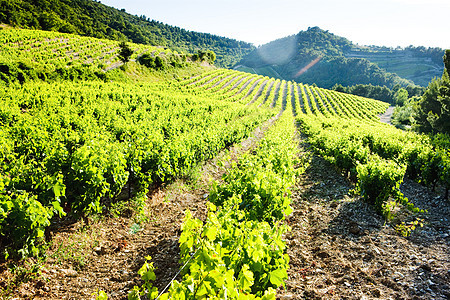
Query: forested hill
{"points": [[91, 18], [320, 57]]}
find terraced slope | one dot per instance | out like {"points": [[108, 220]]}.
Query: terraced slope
{"points": [[407, 63]]}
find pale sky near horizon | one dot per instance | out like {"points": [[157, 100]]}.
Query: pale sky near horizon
{"points": [[366, 22]]}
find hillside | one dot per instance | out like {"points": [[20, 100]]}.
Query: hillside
{"points": [[418, 64], [320, 57], [328, 58], [91, 18], [30, 55], [119, 181]]}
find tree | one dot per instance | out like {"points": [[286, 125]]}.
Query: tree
{"points": [[160, 63], [401, 96], [339, 88], [442, 124], [403, 115], [447, 62], [208, 56], [147, 60], [433, 111], [125, 52]]}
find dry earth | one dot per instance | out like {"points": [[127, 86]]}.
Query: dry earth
{"points": [[386, 117]]}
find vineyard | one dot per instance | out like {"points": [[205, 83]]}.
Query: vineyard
{"points": [[54, 49], [75, 150]]}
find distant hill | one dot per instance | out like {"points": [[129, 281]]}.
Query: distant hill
{"points": [[91, 18], [418, 64], [320, 57]]}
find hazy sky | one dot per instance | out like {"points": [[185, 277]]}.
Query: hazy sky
{"points": [[366, 22]]}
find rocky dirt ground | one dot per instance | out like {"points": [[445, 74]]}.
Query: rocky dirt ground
{"points": [[339, 247], [386, 117]]}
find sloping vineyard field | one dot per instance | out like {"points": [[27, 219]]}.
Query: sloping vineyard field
{"points": [[53, 49], [73, 148], [342, 128], [68, 147]]}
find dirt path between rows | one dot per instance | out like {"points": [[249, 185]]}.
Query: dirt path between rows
{"points": [[386, 117], [340, 248]]}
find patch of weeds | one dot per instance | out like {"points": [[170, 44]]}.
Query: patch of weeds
{"points": [[100, 295], [121, 208], [135, 228], [405, 229], [131, 208], [192, 178], [75, 249], [22, 271], [140, 207], [167, 197]]}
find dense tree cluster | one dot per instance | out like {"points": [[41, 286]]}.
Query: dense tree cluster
{"points": [[396, 96], [91, 18], [433, 110], [434, 53], [162, 61], [208, 56]]}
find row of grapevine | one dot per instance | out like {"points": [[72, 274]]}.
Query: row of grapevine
{"points": [[296, 105], [238, 252], [304, 100], [260, 100], [259, 91], [244, 90], [243, 87], [210, 77], [198, 77], [225, 83], [69, 147], [281, 95], [378, 156], [270, 99]]}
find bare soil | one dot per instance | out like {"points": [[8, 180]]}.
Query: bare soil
{"points": [[386, 117]]}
